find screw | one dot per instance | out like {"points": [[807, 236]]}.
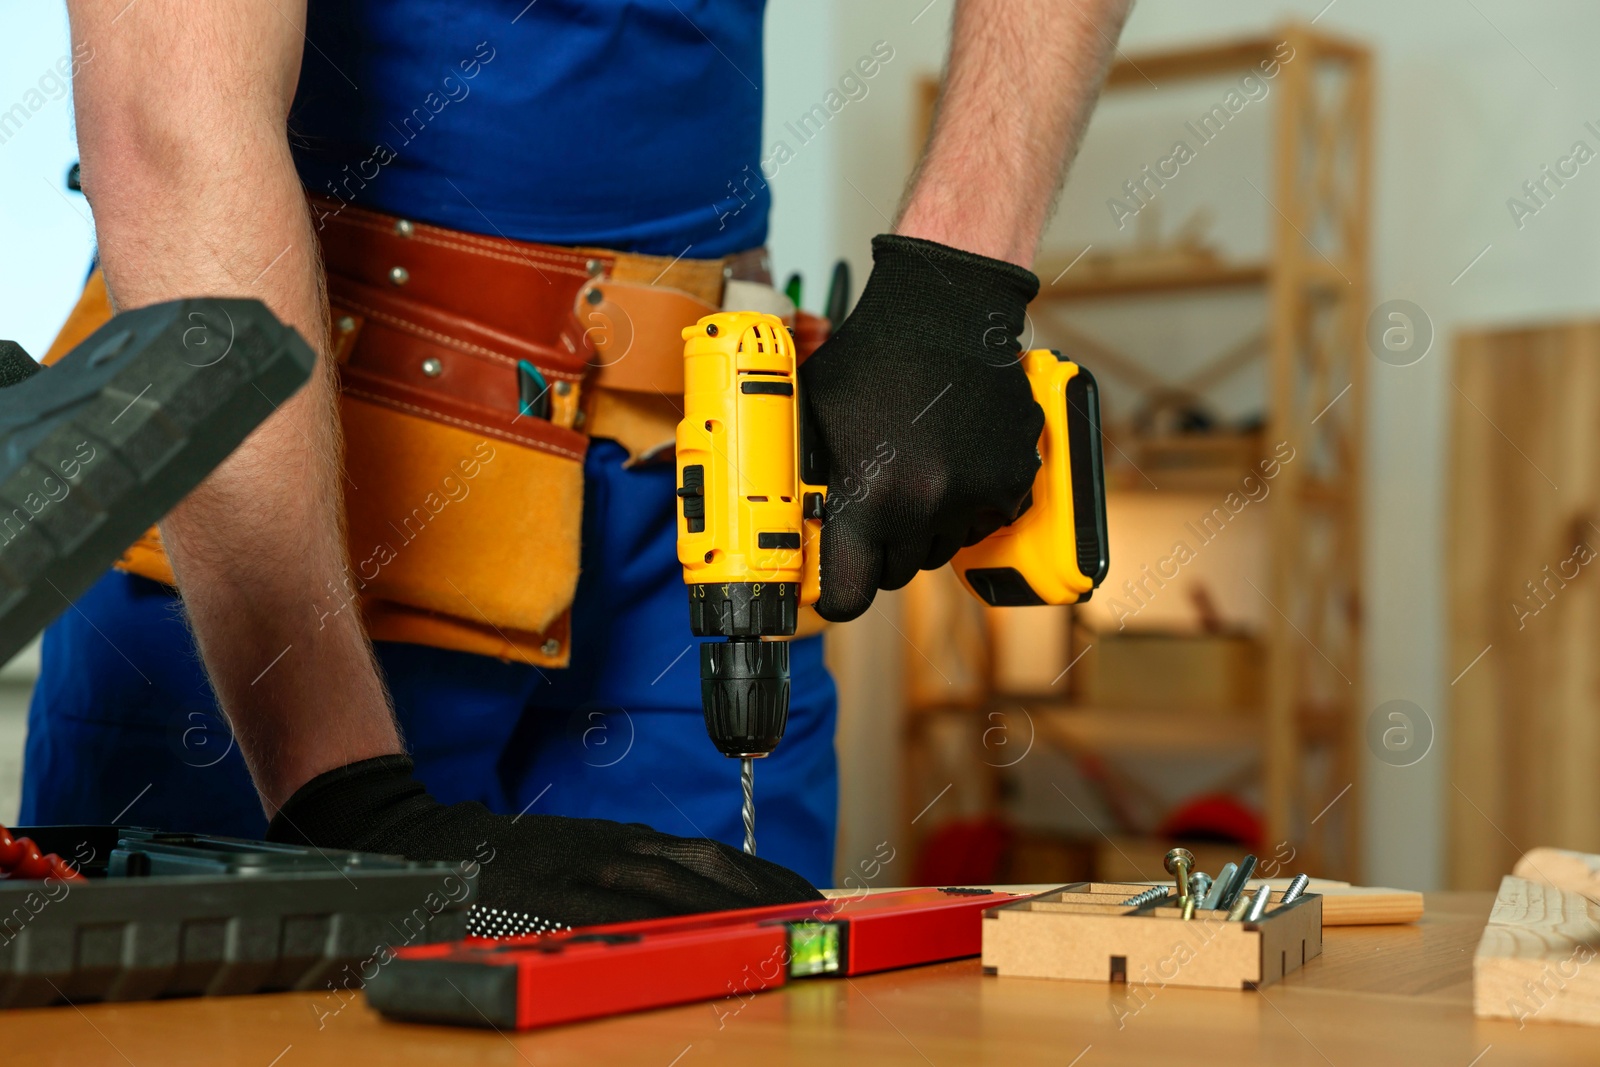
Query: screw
{"points": [[1258, 907], [1188, 908], [1179, 862], [399, 275], [1212, 900], [1296, 886], [1155, 892], [1240, 906], [1199, 885]]}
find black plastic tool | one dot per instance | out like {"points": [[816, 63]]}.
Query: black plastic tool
{"points": [[103, 443]]}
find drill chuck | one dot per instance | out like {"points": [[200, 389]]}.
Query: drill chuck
{"points": [[744, 689]]}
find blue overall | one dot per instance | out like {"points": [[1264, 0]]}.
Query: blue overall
{"points": [[513, 119]]}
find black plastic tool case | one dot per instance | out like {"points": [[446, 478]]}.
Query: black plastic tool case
{"points": [[165, 915]]}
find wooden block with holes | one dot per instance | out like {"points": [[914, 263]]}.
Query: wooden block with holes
{"points": [[1083, 931]]}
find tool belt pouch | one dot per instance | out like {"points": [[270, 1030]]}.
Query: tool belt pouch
{"points": [[464, 514]]}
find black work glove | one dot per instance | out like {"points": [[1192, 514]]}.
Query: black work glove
{"points": [[559, 872], [927, 416]]}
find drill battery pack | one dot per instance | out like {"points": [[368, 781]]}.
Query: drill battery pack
{"points": [[721, 957], [167, 914]]}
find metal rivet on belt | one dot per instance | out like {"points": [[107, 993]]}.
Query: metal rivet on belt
{"points": [[404, 227], [550, 647], [346, 324], [432, 367], [594, 295], [594, 267], [399, 275], [562, 388]]}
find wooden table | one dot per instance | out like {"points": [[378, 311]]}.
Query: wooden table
{"points": [[1378, 995]]}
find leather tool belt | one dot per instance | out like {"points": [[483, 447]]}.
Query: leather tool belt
{"points": [[473, 370]]}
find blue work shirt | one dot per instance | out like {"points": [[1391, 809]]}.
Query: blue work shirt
{"points": [[627, 124]]}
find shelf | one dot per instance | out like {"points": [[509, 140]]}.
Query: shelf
{"points": [[1155, 283], [1155, 69], [1098, 730], [1209, 61]]}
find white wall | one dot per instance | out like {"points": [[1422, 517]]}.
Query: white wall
{"points": [[45, 236], [1471, 100]]}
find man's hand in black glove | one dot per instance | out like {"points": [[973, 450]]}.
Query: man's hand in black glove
{"points": [[927, 416], [572, 872]]}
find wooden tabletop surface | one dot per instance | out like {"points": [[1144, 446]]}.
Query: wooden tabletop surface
{"points": [[1378, 995]]}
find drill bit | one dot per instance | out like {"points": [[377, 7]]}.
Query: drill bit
{"points": [[747, 781]]}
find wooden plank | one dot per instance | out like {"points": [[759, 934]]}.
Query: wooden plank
{"points": [[1533, 961], [1524, 603], [1287, 313], [1575, 872], [1226, 57], [1156, 68], [1209, 276], [1350, 494]]}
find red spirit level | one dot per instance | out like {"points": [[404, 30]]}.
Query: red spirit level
{"points": [[530, 982]]}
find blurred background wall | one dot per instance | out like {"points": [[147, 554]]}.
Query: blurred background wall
{"points": [[1471, 99]]}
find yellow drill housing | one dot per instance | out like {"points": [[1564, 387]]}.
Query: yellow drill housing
{"points": [[1056, 552], [748, 520]]}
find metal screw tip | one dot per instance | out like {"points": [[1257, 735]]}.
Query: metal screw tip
{"points": [[1258, 907]]}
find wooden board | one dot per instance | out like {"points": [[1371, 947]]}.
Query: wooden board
{"points": [[1083, 932], [1536, 959], [1576, 872], [1525, 494]]}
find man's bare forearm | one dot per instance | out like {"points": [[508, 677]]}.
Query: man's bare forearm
{"points": [[1022, 80], [195, 193]]}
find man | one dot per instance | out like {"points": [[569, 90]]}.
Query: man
{"points": [[484, 146]]}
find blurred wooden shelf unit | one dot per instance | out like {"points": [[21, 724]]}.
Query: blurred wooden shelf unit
{"points": [[1313, 276]]}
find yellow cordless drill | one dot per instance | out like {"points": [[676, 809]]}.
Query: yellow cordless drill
{"points": [[752, 488]]}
